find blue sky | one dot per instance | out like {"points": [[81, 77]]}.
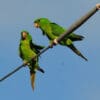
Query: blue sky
{"points": [[67, 76]]}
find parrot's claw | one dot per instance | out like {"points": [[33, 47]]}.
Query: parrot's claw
{"points": [[98, 6], [55, 42], [26, 63]]}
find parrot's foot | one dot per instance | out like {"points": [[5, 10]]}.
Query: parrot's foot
{"points": [[98, 6], [26, 63], [55, 42], [41, 70]]}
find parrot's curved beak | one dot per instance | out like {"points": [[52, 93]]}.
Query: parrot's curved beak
{"points": [[24, 35], [36, 25]]}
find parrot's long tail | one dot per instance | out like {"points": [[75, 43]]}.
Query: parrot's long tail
{"points": [[75, 50], [32, 77]]}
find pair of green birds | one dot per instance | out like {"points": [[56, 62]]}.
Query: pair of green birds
{"points": [[28, 49]]}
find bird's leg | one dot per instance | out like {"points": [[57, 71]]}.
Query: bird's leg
{"points": [[26, 63], [54, 42]]}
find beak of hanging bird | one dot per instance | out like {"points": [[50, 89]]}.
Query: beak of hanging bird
{"points": [[24, 35], [36, 25]]}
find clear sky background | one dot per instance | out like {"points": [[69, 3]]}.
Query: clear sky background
{"points": [[67, 76]]}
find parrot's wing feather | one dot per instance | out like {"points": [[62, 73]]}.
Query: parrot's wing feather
{"points": [[36, 48], [20, 51], [57, 29], [75, 37]]}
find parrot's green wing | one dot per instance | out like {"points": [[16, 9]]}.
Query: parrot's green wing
{"points": [[20, 52], [39, 47], [33, 46], [36, 48], [56, 29]]}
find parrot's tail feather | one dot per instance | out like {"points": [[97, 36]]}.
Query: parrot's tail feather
{"points": [[80, 37], [41, 70], [75, 50], [32, 77], [77, 38]]}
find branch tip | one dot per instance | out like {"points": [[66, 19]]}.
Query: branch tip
{"points": [[98, 6]]}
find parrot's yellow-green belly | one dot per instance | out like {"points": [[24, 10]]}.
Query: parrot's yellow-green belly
{"points": [[27, 52]]}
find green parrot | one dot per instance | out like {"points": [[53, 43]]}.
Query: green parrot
{"points": [[27, 50], [53, 31]]}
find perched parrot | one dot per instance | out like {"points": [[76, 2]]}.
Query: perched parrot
{"points": [[27, 50], [53, 31]]}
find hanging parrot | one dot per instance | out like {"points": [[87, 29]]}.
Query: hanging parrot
{"points": [[27, 50], [53, 31]]}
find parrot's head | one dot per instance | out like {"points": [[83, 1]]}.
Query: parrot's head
{"points": [[38, 23], [24, 35]]}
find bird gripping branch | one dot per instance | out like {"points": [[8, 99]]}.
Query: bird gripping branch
{"points": [[72, 28]]}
